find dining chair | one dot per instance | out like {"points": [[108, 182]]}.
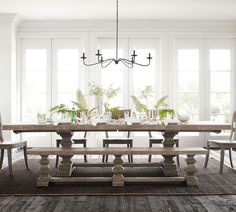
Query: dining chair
{"points": [[223, 145], [82, 141], [118, 140], [9, 145], [157, 140]]}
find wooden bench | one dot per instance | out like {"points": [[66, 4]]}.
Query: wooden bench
{"points": [[117, 179]]}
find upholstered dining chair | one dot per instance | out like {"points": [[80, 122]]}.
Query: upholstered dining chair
{"points": [[223, 145], [82, 141], [158, 140], [9, 145], [118, 140]]}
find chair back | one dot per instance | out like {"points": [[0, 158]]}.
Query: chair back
{"points": [[1, 134], [233, 128], [120, 114]]}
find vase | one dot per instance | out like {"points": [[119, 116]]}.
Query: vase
{"points": [[99, 108]]}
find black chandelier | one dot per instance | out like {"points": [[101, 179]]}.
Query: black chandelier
{"points": [[106, 62]]}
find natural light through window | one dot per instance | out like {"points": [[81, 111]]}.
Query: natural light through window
{"points": [[220, 75], [188, 82], [67, 75], [114, 75], [35, 87]]}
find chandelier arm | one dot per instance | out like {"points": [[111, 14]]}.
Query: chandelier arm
{"points": [[92, 64], [107, 60], [128, 65], [142, 64], [107, 64], [126, 60]]}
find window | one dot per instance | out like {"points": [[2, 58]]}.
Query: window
{"points": [[220, 89], [204, 71], [131, 81], [114, 75], [188, 82], [66, 70], [51, 74], [35, 67]]}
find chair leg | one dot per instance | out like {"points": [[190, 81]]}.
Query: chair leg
{"points": [[150, 156], [107, 155], [1, 159], [131, 156], [222, 155], [177, 156], [26, 156], [57, 157], [129, 159], [85, 156], [177, 159], [230, 157], [9, 156], [207, 155], [103, 156], [57, 160]]}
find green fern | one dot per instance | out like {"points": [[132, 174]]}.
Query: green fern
{"points": [[140, 107], [62, 108], [161, 103], [81, 103]]}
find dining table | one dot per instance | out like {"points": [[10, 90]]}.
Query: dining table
{"points": [[168, 130]]}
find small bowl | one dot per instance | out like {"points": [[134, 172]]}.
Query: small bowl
{"points": [[183, 118]]}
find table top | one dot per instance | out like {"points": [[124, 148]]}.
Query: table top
{"points": [[203, 126]]}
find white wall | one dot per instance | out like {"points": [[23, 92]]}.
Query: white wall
{"points": [[7, 67]]}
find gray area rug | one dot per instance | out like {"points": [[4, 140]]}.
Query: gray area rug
{"points": [[211, 182]]}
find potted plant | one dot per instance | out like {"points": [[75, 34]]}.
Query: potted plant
{"points": [[83, 111], [63, 110], [110, 93], [142, 103], [102, 95]]}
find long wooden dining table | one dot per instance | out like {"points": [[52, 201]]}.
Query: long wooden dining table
{"points": [[168, 131]]}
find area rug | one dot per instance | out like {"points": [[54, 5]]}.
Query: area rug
{"points": [[211, 182]]}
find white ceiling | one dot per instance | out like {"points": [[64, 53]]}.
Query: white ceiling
{"points": [[128, 9]]}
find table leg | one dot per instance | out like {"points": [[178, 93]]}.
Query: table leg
{"points": [[118, 169], [65, 167], [169, 166], [44, 177], [191, 171]]}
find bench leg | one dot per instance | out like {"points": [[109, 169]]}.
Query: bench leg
{"points": [[191, 171], [169, 166], [65, 167], [44, 177], [118, 169]]}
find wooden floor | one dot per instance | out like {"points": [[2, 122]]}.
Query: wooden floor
{"points": [[118, 203]]}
